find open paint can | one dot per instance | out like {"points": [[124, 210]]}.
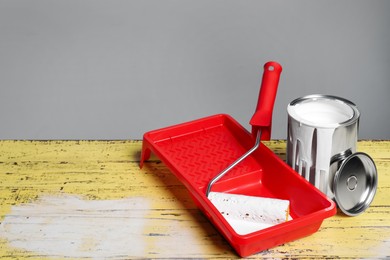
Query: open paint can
{"points": [[321, 146]]}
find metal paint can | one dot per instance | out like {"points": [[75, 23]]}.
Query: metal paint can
{"points": [[321, 146]]}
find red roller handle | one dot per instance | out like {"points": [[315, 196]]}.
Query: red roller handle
{"points": [[262, 118]]}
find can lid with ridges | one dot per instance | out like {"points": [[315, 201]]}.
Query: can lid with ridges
{"points": [[355, 184]]}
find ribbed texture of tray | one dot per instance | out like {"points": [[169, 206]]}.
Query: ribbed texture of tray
{"points": [[201, 156]]}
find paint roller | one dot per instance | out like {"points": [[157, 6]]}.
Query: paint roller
{"points": [[247, 214]]}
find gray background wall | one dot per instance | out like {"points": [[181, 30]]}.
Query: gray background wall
{"points": [[116, 69]]}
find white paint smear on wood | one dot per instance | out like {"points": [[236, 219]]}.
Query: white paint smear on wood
{"points": [[383, 249], [69, 226]]}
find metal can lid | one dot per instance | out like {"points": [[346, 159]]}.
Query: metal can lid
{"points": [[355, 184]]}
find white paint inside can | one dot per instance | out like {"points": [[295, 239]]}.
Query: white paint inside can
{"points": [[321, 112]]}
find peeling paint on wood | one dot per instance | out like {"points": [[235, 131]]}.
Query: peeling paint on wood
{"points": [[105, 175]]}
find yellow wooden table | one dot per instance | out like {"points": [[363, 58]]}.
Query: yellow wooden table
{"points": [[89, 199]]}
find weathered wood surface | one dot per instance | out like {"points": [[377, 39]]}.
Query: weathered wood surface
{"points": [[89, 199]]}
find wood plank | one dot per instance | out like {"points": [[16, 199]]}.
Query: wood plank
{"points": [[97, 185]]}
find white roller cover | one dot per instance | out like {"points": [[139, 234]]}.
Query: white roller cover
{"points": [[247, 214]]}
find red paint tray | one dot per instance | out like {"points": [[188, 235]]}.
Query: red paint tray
{"points": [[197, 151]]}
